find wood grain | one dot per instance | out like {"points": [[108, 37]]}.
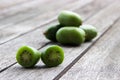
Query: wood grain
{"points": [[31, 9], [20, 8], [11, 3], [71, 53], [102, 61]]}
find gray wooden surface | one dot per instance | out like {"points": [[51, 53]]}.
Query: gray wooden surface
{"points": [[22, 22]]}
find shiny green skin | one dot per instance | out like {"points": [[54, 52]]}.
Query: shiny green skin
{"points": [[27, 56], [69, 18], [90, 31], [50, 33], [70, 35], [52, 56]]}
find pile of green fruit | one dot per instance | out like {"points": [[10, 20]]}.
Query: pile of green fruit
{"points": [[70, 30], [51, 56]]}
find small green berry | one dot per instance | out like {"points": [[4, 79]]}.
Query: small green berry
{"points": [[69, 18], [70, 35], [50, 33], [27, 56], [91, 32], [52, 56]]}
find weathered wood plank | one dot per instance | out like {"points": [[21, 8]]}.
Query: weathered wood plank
{"points": [[6, 4], [71, 53], [20, 8], [31, 8], [35, 39], [33, 23], [18, 13], [38, 20], [102, 61]]}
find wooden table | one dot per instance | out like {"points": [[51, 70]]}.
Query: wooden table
{"points": [[22, 22]]}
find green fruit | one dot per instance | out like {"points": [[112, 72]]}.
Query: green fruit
{"points": [[50, 33], [52, 56], [27, 56], [68, 18], [90, 31], [70, 35]]}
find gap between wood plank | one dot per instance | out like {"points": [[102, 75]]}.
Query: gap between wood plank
{"points": [[8, 67]]}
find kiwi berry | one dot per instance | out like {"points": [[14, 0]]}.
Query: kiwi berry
{"points": [[91, 32], [27, 56], [52, 56], [69, 18], [50, 33], [70, 35]]}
